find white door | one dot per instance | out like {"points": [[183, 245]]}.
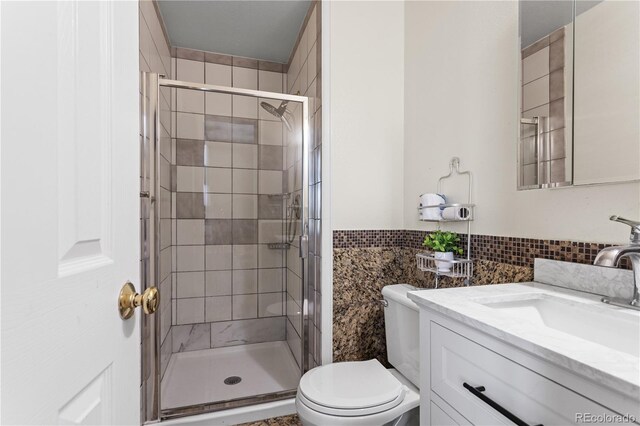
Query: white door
{"points": [[69, 212]]}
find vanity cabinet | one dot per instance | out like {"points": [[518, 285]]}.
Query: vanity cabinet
{"points": [[467, 377]]}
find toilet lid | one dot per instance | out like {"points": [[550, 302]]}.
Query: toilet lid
{"points": [[352, 385]]}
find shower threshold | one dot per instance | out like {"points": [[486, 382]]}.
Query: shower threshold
{"points": [[216, 376]]}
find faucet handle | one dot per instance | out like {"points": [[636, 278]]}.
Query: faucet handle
{"points": [[635, 228]]}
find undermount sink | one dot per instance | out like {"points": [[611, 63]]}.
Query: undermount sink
{"points": [[612, 328]]}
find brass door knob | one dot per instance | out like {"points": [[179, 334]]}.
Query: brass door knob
{"points": [[129, 300]]}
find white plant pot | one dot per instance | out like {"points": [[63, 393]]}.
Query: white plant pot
{"points": [[441, 264]]}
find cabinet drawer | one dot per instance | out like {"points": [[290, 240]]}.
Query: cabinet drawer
{"points": [[439, 417], [536, 400]]}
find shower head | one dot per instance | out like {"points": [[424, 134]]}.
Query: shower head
{"points": [[277, 112], [280, 112]]}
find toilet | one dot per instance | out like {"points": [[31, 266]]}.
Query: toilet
{"points": [[364, 392]]}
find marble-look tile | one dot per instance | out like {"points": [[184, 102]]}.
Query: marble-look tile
{"points": [[270, 157], [269, 207], [245, 130], [189, 205], [245, 231], [218, 128], [165, 354], [232, 333], [245, 63], [556, 55], [556, 85], [218, 231], [271, 66], [190, 337], [191, 54], [216, 58], [556, 114], [612, 282], [189, 152], [294, 342]]}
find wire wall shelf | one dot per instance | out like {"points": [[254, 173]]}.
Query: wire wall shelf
{"points": [[456, 268], [459, 267], [468, 208]]}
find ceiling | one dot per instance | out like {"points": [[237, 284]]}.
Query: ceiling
{"points": [[265, 30], [539, 18]]}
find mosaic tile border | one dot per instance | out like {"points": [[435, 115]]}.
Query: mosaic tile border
{"points": [[368, 238], [516, 251]]}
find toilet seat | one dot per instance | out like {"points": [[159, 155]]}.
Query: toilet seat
{"points": [[351, 412], [351, 389]]}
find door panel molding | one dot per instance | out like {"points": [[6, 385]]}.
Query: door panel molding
{"points": [[84, 70]]}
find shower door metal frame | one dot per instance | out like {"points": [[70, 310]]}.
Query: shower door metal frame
{"points": [[152, 128], [150, 324]]}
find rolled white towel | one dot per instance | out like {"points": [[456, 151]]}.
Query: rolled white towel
{"points": [[431, 199]]}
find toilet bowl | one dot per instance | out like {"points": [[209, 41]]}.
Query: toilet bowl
{"points": [[365, 392]]}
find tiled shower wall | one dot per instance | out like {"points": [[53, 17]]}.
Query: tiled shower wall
{"points": [[303, 77], [543, 95], [222, 160], [228, 205]]}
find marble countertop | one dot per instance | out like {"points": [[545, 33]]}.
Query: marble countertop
{"points": [[613, 368]]}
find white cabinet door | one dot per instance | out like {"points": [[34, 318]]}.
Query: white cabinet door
{"points": [[69, 211], [471, 377]]}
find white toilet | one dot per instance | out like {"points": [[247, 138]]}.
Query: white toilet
{"points": [[364, 392]]}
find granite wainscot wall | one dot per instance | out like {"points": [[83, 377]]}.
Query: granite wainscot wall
{"points": [[365, 261]]}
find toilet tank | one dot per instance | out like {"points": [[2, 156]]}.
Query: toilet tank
{"points": [[401, 326]]}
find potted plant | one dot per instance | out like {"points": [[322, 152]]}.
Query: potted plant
{"points": [[444, 244]]}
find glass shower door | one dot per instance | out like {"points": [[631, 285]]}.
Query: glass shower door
{"points": [[232, 332]]}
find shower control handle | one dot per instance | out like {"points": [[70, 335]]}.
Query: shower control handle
{"points": [[129, 300]]}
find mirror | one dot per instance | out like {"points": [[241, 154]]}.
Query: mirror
{"points": [[580, 92], [546, 49], [606, 92]]}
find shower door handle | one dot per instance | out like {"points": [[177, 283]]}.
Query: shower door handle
{"points": [[304, 246]]}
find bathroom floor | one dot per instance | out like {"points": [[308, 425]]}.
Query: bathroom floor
{"points": [[198, 377], [292, 420]]}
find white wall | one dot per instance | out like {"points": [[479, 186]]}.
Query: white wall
{"points": [[367, 98], [461, 99]]}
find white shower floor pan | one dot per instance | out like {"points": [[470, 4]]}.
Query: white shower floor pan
{"points": [[197, 377]]}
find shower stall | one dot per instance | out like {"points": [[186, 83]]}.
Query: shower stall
{"points": [[224, 202]]}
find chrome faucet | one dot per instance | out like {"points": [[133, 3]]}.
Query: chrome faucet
{"points": [[611, 256]]}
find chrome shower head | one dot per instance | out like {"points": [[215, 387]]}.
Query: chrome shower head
{"points": [[276, 112], [280, 112]]}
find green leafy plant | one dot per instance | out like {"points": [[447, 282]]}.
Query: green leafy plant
{"points": [[443, 241]]}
